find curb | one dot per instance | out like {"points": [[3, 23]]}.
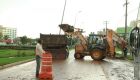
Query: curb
{"points": [[15, 63]]}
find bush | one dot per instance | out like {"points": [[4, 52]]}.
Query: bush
{"points": [[23, 54]]}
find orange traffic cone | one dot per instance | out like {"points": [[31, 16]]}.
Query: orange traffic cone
{"points": [[46, 67]]}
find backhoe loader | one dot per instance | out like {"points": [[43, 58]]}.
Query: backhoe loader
{"points": [[96, 46]]}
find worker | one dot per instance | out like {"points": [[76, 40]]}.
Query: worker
{"points": [[39, 50], [124, 47], [97, 41]]}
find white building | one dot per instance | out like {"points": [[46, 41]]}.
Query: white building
{"points": [[1, 28], [10, 32]]}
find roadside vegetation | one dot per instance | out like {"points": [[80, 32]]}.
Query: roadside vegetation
{"points": [[120, 55], [8, 56], [17, 49]]}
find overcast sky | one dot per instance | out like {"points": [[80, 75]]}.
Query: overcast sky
{"points": [[32, 17]]}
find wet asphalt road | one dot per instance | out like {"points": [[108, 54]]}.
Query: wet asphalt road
{"points": [[72, 69]]}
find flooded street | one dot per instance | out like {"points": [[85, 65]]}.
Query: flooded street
{"points": [[72, 69]]}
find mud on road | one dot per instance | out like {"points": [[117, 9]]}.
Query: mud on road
{"points": [[118, 69], [71, 69]]}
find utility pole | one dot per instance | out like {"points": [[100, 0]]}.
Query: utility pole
{"points": [[126, 5], [63, 15], [106, 23], [137, 57]]}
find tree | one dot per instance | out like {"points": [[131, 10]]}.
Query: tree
{"points": [[24, 40], [17, 40], [133, 23], [6, 37], [0, 35]]}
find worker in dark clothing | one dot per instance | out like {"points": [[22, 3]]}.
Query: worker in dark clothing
{"points": [[124, 47]]}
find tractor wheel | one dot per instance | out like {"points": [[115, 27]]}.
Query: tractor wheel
{"points": [[78, 56], [97, 54]]}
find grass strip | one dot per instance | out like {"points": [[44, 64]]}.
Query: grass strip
{"points": [[5, 53], [4, 61]]}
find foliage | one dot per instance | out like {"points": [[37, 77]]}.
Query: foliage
{"points": [[6, 37], [129, 57], [72, 41], [133, 23], [24, 39], [0, 35], [17, 41]]}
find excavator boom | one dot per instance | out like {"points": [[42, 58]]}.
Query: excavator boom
{"points": [[113, 38]]}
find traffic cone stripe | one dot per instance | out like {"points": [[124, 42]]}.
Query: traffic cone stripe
{"points": [[47, 55], [46, 69], [47, 59], [47, 63]]}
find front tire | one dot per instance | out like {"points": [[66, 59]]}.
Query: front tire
{"points": [[97, 54]]}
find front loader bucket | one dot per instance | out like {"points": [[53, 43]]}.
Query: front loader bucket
{"points": [[66, 28]]}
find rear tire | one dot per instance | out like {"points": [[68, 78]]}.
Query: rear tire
{"points": [[78, 56], [97, 54]]}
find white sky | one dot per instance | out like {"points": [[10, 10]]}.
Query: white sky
{"points": [[32, 17]]}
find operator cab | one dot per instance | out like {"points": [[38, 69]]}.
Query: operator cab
{"points": [[95, 41]]}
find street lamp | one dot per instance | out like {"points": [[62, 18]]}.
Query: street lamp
{"points": [[76, 17]]}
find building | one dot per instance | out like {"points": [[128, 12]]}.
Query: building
{"points": [[10, 32], [1, 28]]}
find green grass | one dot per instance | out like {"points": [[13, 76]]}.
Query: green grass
{"points": [[15, 53], [129, 57], [10, 55], [7, 53], [4, 61]]}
